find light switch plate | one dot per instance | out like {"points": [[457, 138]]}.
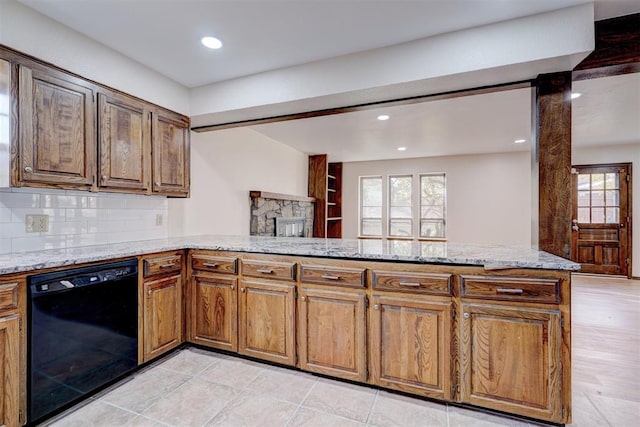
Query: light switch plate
{"points": [[37, 223], [159, 219]]}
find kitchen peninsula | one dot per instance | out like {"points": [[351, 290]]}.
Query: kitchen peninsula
{"points": [[481, 325]]}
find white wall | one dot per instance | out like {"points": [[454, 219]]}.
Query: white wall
{"points": [[488, 196], [225, 166], [30, 32], [78, 218], [629, 153]]}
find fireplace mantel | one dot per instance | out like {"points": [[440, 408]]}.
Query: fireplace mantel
{"points": [[278, 196]]}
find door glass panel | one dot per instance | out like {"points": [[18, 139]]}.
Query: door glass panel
{"points": [[583, 198], [597, 215], [612, 181], [613, 215], [597, 198], [583, 215], [612, 197], [597, 181], [584, 181]]}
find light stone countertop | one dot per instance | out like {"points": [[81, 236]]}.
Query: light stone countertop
{"points": [[489, 256]]}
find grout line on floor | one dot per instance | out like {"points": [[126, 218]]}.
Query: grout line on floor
{"points": [[375, 399], [606, 420]]}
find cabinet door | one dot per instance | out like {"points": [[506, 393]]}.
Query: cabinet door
{"points": [[332, 328], [410, 345], [162, 315], [57, 135], [10, 370], [170, 154], [124, 138], [214, 321], [511, 360], [266, 321]]}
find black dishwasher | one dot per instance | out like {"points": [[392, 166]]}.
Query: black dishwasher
{"points": [[83, 333]]}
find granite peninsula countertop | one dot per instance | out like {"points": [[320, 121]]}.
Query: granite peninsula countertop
{"points": [[432, 252]]}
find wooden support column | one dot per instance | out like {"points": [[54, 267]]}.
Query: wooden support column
{"points": [[553, 142]]}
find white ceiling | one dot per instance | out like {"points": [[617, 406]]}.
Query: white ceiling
{"points": [[260, 35], [608, 112]]}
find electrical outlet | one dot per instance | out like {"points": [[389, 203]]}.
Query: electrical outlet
{"points": [[159, 219], [37, 223]]}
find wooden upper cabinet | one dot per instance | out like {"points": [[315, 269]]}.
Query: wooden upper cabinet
{"points": [[124, 143], [57, 135], [171, 155], [410, 345], [511, 360]]}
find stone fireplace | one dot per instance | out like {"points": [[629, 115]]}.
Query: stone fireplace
{"points": [[294, 214]]}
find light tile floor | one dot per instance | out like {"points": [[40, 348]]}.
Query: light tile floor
{"points": [[194, 387]]}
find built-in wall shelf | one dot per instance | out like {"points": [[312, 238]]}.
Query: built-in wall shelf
{"points": [[325, 185]]}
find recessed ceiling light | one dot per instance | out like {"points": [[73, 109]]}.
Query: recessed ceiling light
{"points": [[211, 42], [383, 117], [402, 148], [519, 141], [575, 95]]}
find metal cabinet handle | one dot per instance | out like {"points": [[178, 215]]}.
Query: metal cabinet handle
{"points": [[265, 271], [210, 264], [509, 291], [232, 287], [575, 228], [157, 183], [149, 292], [411, 284], [167, 265], [241, 289], [104, 177], [465, 315], [303, 298], [28, 169], [376, 307], [330, 277]]}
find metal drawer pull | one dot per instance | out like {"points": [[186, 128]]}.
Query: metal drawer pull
{"points": [[232, 287], [265, 270], [149, 292], [210, 264], [330, 277], [168, 265], [303, 298], [414, 284], [509, 291]]}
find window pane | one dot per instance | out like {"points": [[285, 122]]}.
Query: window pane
{"points": [[400, 227], [611, 181], [583, 215], [597, 198], [371, 227], [371, 212], [613, 215], [400, 191], [612, 198], [584, 181], [431, 228], [432, 212], [371, 246], [583, 198], [432, 249], [400, 212], [597, 181], [371, 191], [597, 215], [432, 190]]}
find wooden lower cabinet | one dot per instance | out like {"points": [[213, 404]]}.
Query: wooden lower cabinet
{"points": [[511, 359], [266, 320], [214, 318], [10, 368], [162, 315], [332, 332], [411, 345]]}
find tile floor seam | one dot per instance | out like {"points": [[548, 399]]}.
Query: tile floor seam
{"points": [[597, 409], [373, 403], [151, 419], [239, 392]]}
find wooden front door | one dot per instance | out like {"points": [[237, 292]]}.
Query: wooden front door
{"points": [[601, 238]]}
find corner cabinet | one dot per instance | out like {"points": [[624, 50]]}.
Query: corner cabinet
{"points": [[171, 154], [57, 135]]}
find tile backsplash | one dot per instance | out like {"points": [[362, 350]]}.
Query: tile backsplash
{"points": [[79, 218]]}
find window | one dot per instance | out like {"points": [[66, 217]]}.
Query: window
{"points": [[432, 205], [371, 206], [599, 198], [400, 209], [409, 206]]}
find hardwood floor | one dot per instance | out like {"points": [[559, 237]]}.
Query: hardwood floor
{"points": [[606, 350]]}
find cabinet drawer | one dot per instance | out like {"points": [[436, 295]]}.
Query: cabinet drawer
{"points": [[214, 264], [333, 276], [511, 288], [423, 283], [269, 269], [9, 296], [162, 264]]}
